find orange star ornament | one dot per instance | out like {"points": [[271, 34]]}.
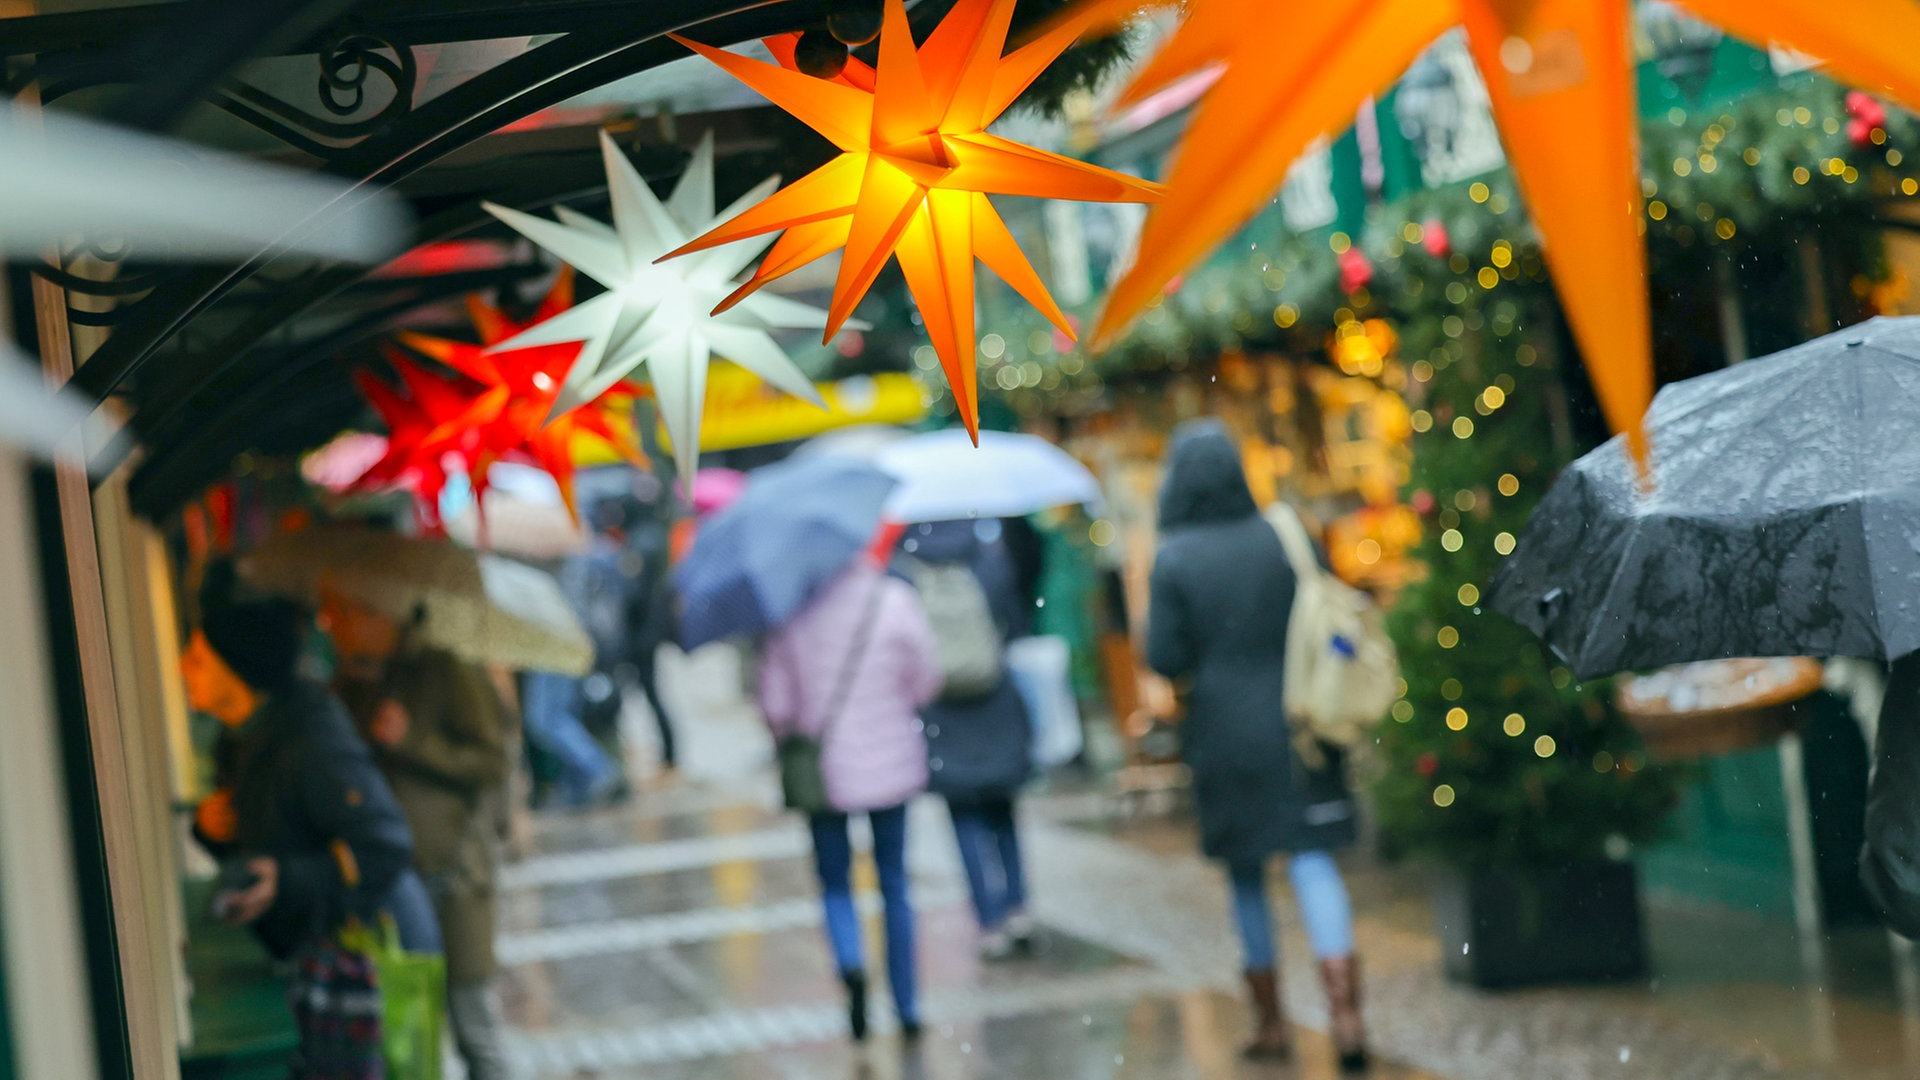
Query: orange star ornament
{"points": [[1559, 77], [914, 172]]}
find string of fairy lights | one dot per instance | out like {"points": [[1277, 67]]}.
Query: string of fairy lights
{"points": [[1719, 176]]}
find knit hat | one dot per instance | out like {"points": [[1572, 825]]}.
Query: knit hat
{"points": [[260, 639]]}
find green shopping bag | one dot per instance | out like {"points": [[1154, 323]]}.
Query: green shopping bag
{"points": [[413, 999]]}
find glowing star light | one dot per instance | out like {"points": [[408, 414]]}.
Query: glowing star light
{"points": [[914, 172], [495, 409], [657, 315], [1559, 77]]}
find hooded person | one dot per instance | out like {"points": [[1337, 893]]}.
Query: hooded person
{"points": [[1222, 592]]}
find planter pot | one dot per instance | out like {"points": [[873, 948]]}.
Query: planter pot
{"points": [[1692, 736], [1519, 926], [1698, 710]]}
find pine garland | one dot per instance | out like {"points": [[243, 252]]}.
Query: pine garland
{"points": [[1737, 177]]}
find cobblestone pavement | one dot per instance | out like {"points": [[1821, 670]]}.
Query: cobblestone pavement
{"points": [[678, 937]]}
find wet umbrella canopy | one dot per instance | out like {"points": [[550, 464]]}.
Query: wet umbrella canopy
{"points": [[1783, 520], [755, 564]]}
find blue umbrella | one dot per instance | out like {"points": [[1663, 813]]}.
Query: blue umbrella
{"points": [[755, 564]]}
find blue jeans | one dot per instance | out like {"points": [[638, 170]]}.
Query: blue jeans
{"points": [[990, 851], [552, 715], [1324, 908], [412, 909], [833, 858]]}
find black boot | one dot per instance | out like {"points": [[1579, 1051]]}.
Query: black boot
{"points": [[856, 1003]]}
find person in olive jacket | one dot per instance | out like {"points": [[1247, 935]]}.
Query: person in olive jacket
{"points": [[439, 730]]}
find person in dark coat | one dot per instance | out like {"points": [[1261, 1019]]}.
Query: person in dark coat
{"points": [[1890, 859], [1222, 591], [652, 627], [979, 745], [312, 834], [561, 712]]}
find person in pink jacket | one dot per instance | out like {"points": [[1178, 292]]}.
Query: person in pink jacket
{"points": [[853, 669]]}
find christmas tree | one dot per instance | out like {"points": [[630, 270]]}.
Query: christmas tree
{"points": [[1494, 755]]}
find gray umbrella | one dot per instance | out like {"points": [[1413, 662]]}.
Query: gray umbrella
{"points": [[1784, 518]]}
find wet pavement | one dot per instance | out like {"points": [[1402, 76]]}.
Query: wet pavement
{"points": [[678, 936]]}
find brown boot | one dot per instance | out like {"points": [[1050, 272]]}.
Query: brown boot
{"points": [[1342, 980], [1269, 1026]]}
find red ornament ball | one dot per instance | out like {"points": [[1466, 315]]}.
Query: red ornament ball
{"points": [[1356, 272], [1421, 501], [1434, 239], [1426, 764], [1859, 132], [1864, 106]]}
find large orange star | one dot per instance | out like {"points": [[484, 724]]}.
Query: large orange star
{"points": [[1559, 77], [914, 172]]}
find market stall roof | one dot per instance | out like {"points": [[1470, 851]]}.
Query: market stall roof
{"points": [[447, 102]]}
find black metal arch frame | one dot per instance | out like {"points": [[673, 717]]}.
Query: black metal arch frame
{"points": [[164, 56]]}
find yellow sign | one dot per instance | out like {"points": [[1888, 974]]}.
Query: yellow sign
{"points": [[743, 410]]}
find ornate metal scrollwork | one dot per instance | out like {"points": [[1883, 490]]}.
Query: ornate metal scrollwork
{"points": [[362, 83], [353, 67], [100, 279]]}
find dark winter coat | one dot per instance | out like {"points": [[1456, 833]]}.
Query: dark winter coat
{"points": [[1221, 595], [306, 792], [651, 614], [1890, 862], [597, 585], [977, 750]]}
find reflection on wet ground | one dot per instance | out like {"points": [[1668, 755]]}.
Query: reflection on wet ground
{"points": [[678, 937]]}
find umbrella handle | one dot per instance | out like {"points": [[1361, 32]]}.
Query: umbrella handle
{"points": [[885, 539]]}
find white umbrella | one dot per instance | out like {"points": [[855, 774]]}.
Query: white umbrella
{"points": [[859, 441], [944, 477], [62, 177]]}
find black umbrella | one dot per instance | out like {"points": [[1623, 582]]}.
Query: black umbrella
{"points": [[1783, 518]]}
